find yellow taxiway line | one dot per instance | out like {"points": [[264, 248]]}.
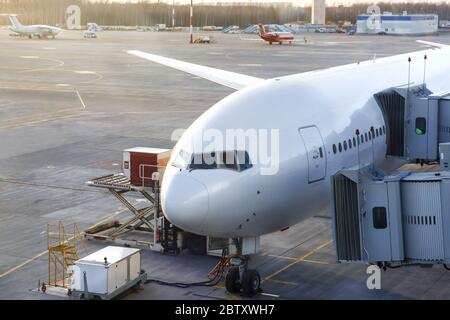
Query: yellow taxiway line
{"points": [[300, 259]]}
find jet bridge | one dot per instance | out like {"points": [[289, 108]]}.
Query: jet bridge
{"points": [[417, 120], [398, 219]]}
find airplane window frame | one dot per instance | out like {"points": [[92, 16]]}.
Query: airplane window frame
{"points": [[184, 164]]}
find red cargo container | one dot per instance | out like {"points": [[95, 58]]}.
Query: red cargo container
{"points": [[140, 163]]}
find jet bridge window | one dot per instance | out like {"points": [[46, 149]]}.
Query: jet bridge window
{"points": [[421, 126], [379, 217]]}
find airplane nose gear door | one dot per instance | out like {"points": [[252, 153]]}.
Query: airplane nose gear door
{"points": [[315, 149]]}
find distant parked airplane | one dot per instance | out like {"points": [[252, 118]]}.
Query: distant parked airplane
{"points": [[275, 36], [40, 31]]}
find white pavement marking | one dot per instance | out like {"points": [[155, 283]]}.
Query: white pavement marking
{"points": [[250, 65], [81, 100], [85, 72]]}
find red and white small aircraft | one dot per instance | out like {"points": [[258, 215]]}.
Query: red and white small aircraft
{"points": [[275, 36]]}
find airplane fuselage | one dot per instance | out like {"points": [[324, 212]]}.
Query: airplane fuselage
{"points": [[321, 109], [277, 37], [36, 31]]}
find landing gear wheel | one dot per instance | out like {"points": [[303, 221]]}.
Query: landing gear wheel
{"points": [[251, 282], [281, 43], [270, 42], [232, 280]]}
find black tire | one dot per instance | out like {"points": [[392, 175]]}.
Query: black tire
{"points": [[196, 244], [251, 282], [232, 283]]}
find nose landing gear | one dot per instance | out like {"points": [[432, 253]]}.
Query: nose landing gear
{"points": [[239, 277]]}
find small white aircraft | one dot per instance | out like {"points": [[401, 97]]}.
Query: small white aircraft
{"points": [[40, 31], [328, 120]]}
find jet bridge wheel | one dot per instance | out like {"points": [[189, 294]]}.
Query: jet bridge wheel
{"points": [[232, 283], [251, 282]]}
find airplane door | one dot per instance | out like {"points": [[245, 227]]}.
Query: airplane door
{"points": [[315, 150]]}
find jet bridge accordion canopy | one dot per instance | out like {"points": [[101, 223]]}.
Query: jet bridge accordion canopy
{"points": [[402, 218], [417, 120]]}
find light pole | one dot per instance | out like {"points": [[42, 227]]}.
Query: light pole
{"points": [[173, 15], [191, 37]]}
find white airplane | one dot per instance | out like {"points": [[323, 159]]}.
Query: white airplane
{"points": [[40, 31], [318, 115]]}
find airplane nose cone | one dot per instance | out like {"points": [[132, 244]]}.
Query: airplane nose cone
{"points": [[185, 203]]}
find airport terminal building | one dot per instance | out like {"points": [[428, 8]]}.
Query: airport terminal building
{"points": [[406, 24]]}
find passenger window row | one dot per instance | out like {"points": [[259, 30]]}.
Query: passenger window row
{"points": [[359, 139]]}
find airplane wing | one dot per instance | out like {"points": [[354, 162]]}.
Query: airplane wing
{"points": [[229, 79]]}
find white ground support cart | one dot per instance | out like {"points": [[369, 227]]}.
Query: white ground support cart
{"points": [[107, 273]]}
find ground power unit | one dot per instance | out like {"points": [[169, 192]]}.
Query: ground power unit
{"points": [[107, 273]]}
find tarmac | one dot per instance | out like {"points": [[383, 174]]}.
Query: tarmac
{"points": [[69, 106]]}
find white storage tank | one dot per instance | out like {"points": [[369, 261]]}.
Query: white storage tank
{"points": [[109, 271]]}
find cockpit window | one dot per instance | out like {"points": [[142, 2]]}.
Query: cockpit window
{"points": [[234, 160], [182, 160], [243, 160]]}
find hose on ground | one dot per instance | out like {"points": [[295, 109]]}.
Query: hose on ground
{"points": [[208, 283]]}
